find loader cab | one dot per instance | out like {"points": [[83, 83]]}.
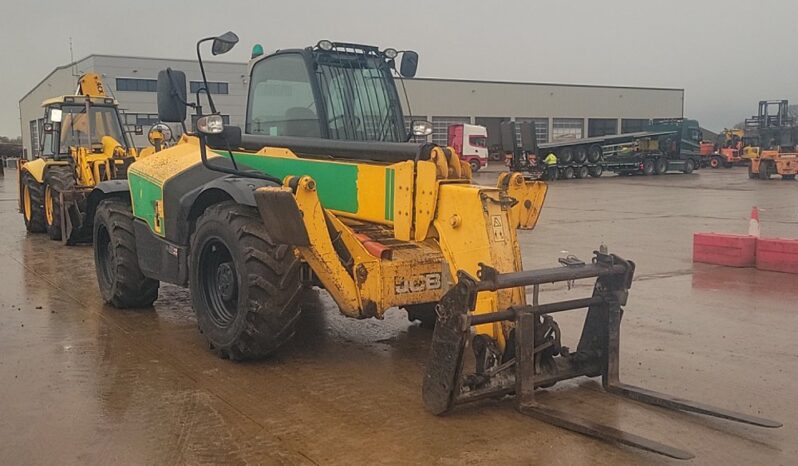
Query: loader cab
{"points": [[77, 121], [331, 90]]}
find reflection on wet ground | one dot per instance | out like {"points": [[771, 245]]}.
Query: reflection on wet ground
{"points": [[83, 383]]}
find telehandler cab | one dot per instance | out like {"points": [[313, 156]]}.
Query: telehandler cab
{"points": [[323, 188]]}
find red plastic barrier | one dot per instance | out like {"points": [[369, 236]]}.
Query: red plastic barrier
{"points": [[722, 249], [777, 255]]}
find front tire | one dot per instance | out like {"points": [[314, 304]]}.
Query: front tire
{"points": [[122, 284], [58, 179], [764, 170], [689, 165], [475, 166], [32, 193], [244, 286], [424, 313]]}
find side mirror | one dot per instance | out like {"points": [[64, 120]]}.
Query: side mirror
{"points": [[224, 43], [507, 132], [171, 96], [529, 142], [409, 64]]}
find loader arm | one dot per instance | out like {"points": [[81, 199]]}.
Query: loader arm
{"points": [[433, 222]]}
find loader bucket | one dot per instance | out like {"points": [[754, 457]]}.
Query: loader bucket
{"points": [[535, 358]]}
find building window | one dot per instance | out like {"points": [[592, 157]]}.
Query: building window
{"points": [[194, 118], [601, 127], [440, 127], [541, 129], [213, 87], [633, 125], [141, 119], [35, 149], [567, 128], [136, 85]]}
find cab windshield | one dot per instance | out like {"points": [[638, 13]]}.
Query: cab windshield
{"points": [[345, 96], [85, 126], [359, 98]]}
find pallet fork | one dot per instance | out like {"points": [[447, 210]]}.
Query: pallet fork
{"points": [[534, 356]]}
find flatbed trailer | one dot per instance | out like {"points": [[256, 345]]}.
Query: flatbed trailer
{"points": [[669, 145]]}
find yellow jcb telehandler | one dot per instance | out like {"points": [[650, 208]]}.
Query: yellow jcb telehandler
{"points": [[324, 187]]}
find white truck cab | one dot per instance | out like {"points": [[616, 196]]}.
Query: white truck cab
{"points": [[471, 143]]}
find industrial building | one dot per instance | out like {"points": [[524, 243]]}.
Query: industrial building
{"points": [[558, 110]]}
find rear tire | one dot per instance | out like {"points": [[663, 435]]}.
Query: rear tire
{"points": [[122, 284], [594, 153], [565, 155], [648, 167], [660, 166], [751, 174], [582, 172], [58, 179], [568, 173], [580, 154], [244, 286], [596, 171], [689, 165], [32, 193]]}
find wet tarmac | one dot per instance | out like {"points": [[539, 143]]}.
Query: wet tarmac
{"points": [[82, 383]]}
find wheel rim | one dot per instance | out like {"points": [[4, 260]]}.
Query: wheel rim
{"points": [[105, 255], [474, 166], [26, 203], [48, 205], [219, 282]]}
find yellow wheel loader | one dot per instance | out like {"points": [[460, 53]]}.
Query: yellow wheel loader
{"points": [[83, 144], [324, 187]]}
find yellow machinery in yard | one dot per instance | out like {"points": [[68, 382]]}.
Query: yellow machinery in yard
{"points": [[324, 188], [774, 148], [83, 144]]}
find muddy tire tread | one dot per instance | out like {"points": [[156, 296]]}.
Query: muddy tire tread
{"points": [[37, 222], [271, 276], [132, 289]]}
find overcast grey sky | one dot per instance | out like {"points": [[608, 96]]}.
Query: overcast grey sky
{"points": [[727, 55]]}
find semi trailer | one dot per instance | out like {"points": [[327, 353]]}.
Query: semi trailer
{"points": [[665, 145]]}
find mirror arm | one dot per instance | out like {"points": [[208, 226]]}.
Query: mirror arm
{"points": [[202, 71], [253, 174]]}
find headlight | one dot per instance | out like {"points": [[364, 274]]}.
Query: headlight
{"points": [[210, 124], [325, 45], [159, 131], [421, 128], [390, 53]]}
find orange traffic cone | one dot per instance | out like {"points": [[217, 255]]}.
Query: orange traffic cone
{"points": [[753, 224]]}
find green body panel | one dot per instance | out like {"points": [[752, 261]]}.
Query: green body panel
{"points": [[143, 194], [389, 184], [337, 183]]}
